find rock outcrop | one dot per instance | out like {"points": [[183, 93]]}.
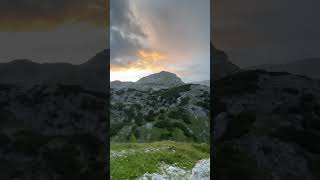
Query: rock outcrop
{"points": [[157, 81]]}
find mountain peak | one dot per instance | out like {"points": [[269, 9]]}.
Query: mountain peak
{"points": [[162, 78], [100, 59]]}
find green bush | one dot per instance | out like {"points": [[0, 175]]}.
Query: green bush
{"points": [[184, 101], [163, 124], [204, 104], [166, 136], [170, 95], [180, 113], [149, 118], [115, 128], [161, 117]]}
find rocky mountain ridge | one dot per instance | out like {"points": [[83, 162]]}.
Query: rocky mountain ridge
{"points": [[157, 81]]}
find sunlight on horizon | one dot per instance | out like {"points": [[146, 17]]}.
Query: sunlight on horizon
{"points": [[128, 75]]}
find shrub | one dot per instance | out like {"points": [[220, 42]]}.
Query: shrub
{"points": [[204, 104], [115, 128], [185, 130], [180, 113], [184, 101], [166, 136], [161, 117], [170, 95], [149, 118], [163, 124]]}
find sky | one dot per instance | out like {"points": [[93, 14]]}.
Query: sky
{"points": [[70, 31], [266, 31], [161, 35]]}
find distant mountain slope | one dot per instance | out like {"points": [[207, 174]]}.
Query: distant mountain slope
{"points": [[307, 67], [91, 74], [205, 83]]}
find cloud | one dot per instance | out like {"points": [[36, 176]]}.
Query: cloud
{"points": [[146, 60], [31, 15], [180, 30], [125, 34]]}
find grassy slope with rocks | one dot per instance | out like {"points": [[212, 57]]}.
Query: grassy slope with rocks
{"points": [[133, 160], [159, 132]]}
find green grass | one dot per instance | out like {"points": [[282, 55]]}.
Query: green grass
{"points": [[141, 158]]}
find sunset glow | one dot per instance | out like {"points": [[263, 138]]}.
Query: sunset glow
{"points": [[150, 36], [130, 74], [148, 62]]}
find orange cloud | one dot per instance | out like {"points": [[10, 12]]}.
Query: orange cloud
{"points": [[153, 56], [148, 60]]}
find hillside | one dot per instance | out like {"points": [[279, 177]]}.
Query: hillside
{"points": [[267, 126], [178, 113]]}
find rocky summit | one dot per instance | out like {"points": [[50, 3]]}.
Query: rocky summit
{"points": [[162, 78], [157, 81]]}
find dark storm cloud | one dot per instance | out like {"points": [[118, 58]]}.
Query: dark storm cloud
{"points": [[260, 32], [124, 33], [151, 36], [169, 27], [124, 49], [123, 18], [23, 15]]}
